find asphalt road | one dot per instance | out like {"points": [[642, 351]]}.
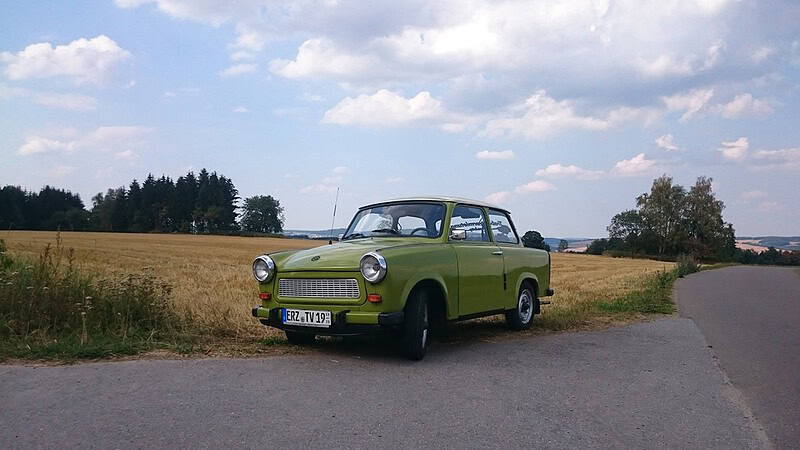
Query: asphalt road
{"points": [[651, 385], [751, 317]]}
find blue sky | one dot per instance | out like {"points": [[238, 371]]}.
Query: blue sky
{"points": [[562, 112]]}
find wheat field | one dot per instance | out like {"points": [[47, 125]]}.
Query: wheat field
{"points": [[213, 288]]}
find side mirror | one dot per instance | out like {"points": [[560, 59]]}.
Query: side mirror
{"points": [[458, 235], [340, 237]]}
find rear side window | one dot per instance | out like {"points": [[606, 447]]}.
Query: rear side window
{"points": [[470, 219], [502, 230]]}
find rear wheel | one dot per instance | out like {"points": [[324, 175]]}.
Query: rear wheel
{"points": [[521, 317], [415, 326], [298, 338]]}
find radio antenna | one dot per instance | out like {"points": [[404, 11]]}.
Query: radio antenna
{"points": [[336, 202]]}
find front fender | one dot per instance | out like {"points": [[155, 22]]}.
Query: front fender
{"points": [[425, 276]]}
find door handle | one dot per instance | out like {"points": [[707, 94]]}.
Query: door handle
{"points": [[498, 252]]}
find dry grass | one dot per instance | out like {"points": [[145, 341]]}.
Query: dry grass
{"points": [[210, 275], [213, 287]]}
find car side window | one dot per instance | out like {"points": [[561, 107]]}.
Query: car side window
{"points": [[502, 230], [471, 220]]}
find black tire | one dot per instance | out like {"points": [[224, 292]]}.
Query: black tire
{"points": [[415, 326], [521, 317], [298, 338]]}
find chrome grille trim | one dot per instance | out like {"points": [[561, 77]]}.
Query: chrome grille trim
{"points": [[318, 288]]}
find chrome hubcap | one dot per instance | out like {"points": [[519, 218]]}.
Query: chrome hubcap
{"points": [[525, 306]]}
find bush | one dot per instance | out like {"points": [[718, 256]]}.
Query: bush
{"points": [[686, 265], [49, 300]]}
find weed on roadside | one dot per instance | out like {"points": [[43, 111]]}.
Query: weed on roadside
{"points": [[48, 308]]}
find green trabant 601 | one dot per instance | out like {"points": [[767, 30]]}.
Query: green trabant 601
{"points": [[395, 269]]}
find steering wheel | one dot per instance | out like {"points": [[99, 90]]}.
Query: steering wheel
{"points": [[427, 233]]}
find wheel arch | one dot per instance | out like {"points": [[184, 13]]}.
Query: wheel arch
{"points": [[433, 284], [532, 279]]}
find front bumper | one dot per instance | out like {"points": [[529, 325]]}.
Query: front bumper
{"points": [[340, 326]]}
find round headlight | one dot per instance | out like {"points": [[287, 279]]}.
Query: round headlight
{"points": [[373, 267], [263, 268]]}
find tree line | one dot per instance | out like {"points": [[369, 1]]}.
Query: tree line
{"points": [[201, 203], [670, 221]]}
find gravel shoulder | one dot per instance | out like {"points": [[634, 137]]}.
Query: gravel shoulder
{"points": [[652, 385]]}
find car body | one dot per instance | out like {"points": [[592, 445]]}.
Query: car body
{"points": [[396, 269]]}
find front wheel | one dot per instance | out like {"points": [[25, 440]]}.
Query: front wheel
{"points": [[415, 327], [297, 338], [521, 317]]}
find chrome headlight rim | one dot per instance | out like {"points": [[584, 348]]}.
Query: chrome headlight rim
{"points": [[382, 268], [270, 268]]}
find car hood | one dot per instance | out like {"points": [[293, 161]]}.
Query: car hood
{"points": [[340, 256]]}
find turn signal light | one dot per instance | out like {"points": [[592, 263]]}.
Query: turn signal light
{"points": [[265, 296], [374, 298]]}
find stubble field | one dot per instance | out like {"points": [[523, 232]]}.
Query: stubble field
{"points": [[213, 289]]}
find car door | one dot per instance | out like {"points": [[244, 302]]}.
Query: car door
{"points": [[505, 236], [480, 262]]}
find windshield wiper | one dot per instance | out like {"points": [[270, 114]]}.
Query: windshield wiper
{"points": [[352, 236], [386, 230]]}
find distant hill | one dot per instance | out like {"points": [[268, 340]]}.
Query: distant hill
{"points": [[779, 242], [315, 234]]}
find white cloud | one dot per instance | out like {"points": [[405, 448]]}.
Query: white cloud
{"points": [[83, 60], [743, 105], [637, 165], [498, 197], [492, 154], [769, 207], [108, 138], [70, 102], [169, 94], [319, 58], [663, 66], [128, 155], [375, 42], [390, 109], [780, 159], [692, 102], [735, 150], [713, 54], [239, 69], [752, 195], [535, 186], [332, 179], [560, 170], [240, 109], [541, 116], [666, 142], [311, 98], [394, 180], [329, 183], [240, 55], [317, 189], [36, 145], [761, 54], [61, 171]]}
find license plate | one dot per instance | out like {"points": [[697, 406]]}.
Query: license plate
{"points": [[306, 318]]}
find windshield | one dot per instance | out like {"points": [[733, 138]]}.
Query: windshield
{"points": [[398, 219]]}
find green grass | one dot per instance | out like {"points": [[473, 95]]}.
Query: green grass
{"points": [[721, 265], [652, 296], [50, 309], [655, 297]]}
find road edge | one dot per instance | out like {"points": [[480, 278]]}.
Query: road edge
{"points": [[732, 393]]}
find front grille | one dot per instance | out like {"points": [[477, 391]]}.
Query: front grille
{"points": [[318, 287]]}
